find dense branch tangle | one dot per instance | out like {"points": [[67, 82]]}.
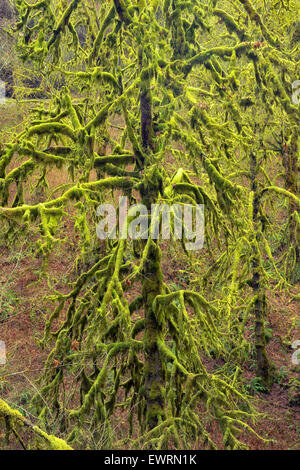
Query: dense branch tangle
{"points": [[136, 60]]}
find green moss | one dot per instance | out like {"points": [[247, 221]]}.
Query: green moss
{"points": [[54, 442], [10, 414]]}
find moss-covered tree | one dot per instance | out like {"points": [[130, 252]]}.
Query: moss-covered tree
{"points": [[178, 75]]}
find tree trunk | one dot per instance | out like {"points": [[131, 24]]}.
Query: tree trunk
{"points": [[262, 363], [152, 274], [154, 369]]}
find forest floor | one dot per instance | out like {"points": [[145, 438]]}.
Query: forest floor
{"points": [[23, 312]]}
